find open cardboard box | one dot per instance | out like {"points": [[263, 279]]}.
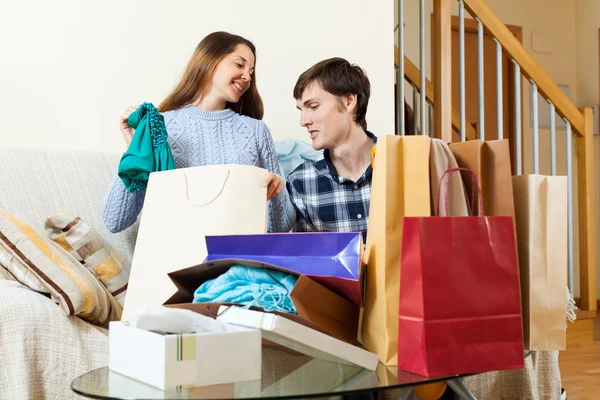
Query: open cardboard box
{"points": [[318, 307]]}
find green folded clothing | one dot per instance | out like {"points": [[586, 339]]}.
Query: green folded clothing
{"points": [[148, 151]]}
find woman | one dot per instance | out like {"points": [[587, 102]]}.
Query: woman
{"points": [[213, 116]]}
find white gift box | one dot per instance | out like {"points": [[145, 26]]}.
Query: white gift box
{"points": [[166, 361], [300, 338]]}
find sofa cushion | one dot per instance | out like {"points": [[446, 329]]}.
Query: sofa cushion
{"points": [[70, 284], [37, 182], [77, 238]]}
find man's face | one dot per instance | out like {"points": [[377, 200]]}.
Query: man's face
{"points": [[326, 117]]}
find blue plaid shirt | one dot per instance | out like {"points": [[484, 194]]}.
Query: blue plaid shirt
{"points": [[327, 202]]}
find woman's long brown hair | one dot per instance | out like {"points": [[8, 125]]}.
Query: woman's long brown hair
{"points": [[200, 70]]}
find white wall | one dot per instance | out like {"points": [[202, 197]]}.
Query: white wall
{"points": [[588, 72], [68, 68]]}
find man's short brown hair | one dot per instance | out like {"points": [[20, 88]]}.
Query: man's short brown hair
{"points": [[338, 77]]}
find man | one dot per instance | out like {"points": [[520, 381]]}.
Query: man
{"points": [[333, 193]]}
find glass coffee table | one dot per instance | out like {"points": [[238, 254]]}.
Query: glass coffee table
{"points": [[285, 375]]}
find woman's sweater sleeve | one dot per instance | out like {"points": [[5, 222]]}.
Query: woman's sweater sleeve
{"points": [[281, 211], [121, 208]]}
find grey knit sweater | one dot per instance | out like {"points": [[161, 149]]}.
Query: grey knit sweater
{"points": [[197, 138]]}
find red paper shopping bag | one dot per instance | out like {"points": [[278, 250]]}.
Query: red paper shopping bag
{"points": [[460, 304]]}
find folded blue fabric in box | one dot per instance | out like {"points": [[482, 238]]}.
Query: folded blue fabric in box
{"points": [[267, 289]]}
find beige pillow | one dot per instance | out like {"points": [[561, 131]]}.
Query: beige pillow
{"points": [[13, 267], [70, 284], [76, 237]]}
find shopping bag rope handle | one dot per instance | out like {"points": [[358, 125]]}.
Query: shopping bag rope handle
{"points": [[187, 191], [475, 185]]}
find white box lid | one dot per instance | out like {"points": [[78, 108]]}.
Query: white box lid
{"points": [[300, 338]]}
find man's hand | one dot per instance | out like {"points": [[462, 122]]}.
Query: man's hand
{"points": [[274, 183]]}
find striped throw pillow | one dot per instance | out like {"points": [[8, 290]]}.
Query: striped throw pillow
{"points": [[12, 267], [27, 254], [77, 238]]}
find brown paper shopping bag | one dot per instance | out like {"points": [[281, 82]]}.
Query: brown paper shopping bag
{"points": [[490, 161], [181, 207], [541, 220], [400, 188]]}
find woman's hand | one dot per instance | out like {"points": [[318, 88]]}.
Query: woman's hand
{"points": [[127, 130], [274, 183]]}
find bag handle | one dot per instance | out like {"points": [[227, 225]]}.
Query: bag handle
{"points": [[187, 190], [475, 185]]}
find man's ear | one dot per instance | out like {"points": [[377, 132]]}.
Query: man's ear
{"points": [[351, 102]]}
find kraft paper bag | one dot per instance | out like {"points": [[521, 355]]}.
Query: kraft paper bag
{"points": [[181, 207], [490, 161], [541, 220], [400, 188]]}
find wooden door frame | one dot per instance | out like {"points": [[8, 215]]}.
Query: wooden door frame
{"points": [[471, 26]]}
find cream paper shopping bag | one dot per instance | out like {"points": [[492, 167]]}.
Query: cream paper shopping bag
{"points": [[541, 220], [181, 207]]}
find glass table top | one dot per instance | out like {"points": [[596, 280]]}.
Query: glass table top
{"points": [[284, 375]]}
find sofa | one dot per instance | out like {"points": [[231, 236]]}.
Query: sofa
{"points": [[42, 350]]}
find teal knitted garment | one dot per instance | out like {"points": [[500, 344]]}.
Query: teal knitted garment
{"points": [[148, 151], [269, 290]]}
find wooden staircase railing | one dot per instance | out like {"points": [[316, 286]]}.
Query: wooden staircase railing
{"points": [[411, 74]]}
